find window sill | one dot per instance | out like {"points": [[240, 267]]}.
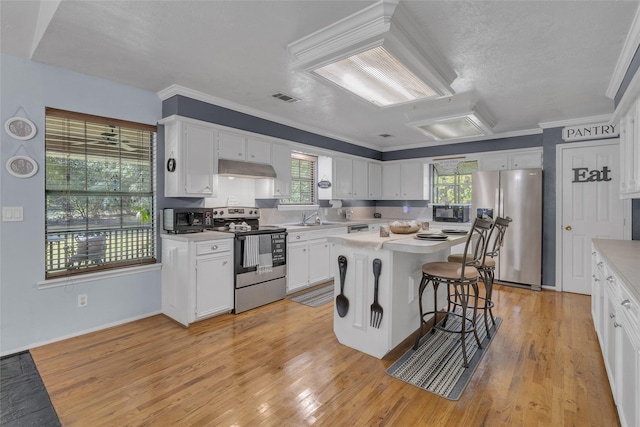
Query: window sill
{"points": [[297, 207], [90, 277]]}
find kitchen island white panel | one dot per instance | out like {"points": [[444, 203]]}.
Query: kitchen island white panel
{"points": [[402, 258]]}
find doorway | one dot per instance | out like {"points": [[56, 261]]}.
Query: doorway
{"points": [[589, 206]]}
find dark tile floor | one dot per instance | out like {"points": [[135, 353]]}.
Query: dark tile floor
{"points": [[24, 400]]}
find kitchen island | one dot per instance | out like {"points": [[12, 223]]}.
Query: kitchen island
{"points": [[402, 257]]}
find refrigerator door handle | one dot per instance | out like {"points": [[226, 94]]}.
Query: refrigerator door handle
{"points": [[496, 206], [501, 204]]}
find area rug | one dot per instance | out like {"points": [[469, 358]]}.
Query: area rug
{"points": [[315, 297], [437, 365], [23, 398]]}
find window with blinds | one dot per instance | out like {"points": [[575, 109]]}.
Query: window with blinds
{"points": [[452, 181], [303, 174], [99, 190]]}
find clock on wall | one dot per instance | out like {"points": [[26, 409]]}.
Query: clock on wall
{"points": [[22, 166], [20, 128]]}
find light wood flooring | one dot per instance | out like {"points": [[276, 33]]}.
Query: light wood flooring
{"points": [[281, 365]]}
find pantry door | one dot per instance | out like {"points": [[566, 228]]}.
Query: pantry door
{"points": [[590, 207]]}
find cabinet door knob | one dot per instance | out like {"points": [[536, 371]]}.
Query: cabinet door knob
{"points": [[617, 325], [298, 237], [225, 262], [214, 247], [626, 303], [568, 228], [610, 279], [611, 315]]}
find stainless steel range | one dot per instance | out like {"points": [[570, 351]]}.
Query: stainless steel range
{"points": [[260, 257]]}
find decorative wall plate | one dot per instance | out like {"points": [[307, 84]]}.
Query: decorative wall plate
{"points": [[22, 166], [20, 128]]}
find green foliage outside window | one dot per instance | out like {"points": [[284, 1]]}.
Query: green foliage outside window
{"points": [[452, 182], [302, 180]]}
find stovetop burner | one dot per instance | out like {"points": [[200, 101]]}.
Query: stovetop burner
{"points": [[241, 220]]}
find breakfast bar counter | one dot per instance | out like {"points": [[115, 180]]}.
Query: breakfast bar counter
{"points": [[402, 256]]}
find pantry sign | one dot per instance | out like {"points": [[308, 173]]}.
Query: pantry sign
{"points": [[593, 131]]}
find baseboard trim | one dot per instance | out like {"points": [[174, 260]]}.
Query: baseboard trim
{"points": [[82, 332]]}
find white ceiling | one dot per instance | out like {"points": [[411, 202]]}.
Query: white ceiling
{"points": [[526, 62]]}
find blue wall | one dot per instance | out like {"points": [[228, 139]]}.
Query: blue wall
{"points": [[29, 316]]}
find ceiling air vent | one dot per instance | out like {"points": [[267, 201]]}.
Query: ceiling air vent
{"points": [[385, 135], [286, 98]]}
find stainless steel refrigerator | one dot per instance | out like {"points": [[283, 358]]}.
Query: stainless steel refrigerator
{"points": [[516, 194]]}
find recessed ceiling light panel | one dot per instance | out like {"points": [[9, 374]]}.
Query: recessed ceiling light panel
{"points": [[378, 77], [372, 54], [454, 127]]}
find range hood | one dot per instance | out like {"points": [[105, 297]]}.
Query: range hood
{"points": [[245, 169]]}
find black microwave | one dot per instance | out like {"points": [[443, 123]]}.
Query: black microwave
{"points": [[187, 220], [451, 213]]}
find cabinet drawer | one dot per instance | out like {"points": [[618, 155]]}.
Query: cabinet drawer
{"points": [[213, 246], [630, 307]]}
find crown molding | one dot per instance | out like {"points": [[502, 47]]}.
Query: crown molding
{"points": [[359, 28], [174, 90], [576, 122], [629, 49], [428, 144]]}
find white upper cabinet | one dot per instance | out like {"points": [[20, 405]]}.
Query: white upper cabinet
{"points": [[281, 155], [190, 153], [525, 159], [494, 162], [236, 146], [630, 153], [342, 178], [374, 171], [411, 181], [350, 178], [360, 178], [259, 151], [403, 181], [391, 181]]}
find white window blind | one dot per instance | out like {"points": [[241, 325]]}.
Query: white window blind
{"points": [[99, 190]]}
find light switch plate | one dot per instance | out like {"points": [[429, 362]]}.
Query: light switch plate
{"points": [[12, 213]]}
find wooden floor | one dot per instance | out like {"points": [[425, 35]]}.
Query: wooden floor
{"points": [[281, 365]]}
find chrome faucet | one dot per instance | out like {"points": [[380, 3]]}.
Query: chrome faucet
{"points": [[306, 218]]}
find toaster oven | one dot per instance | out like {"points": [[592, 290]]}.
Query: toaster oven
{"points": [[187, 220]]}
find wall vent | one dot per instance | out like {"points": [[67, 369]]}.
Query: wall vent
{"points": [[286, 98]]}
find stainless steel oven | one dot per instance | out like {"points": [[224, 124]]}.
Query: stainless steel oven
{"points": [[260, 257]]}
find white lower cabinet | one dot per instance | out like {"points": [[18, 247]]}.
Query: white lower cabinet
{"points": [[309, 258], [616, 314], [197, 278]]}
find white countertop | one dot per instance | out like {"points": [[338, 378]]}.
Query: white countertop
{"points": [[623, 256], [197, 237], [397, 242]]}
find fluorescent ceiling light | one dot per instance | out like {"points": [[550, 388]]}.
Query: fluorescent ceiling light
{"points": [[467, 125], [378, 77], [371, 55]]}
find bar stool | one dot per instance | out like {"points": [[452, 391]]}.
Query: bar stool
{"points": [[487, 267], [461, 279]]}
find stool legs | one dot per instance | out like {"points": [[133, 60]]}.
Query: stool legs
{"points": [[461, 295], [487, 279]]}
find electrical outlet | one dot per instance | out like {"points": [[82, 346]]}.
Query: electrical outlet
{"points": [[83, 300]]}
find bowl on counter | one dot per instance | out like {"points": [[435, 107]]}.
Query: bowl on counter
{"points": [[404, 228]]}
